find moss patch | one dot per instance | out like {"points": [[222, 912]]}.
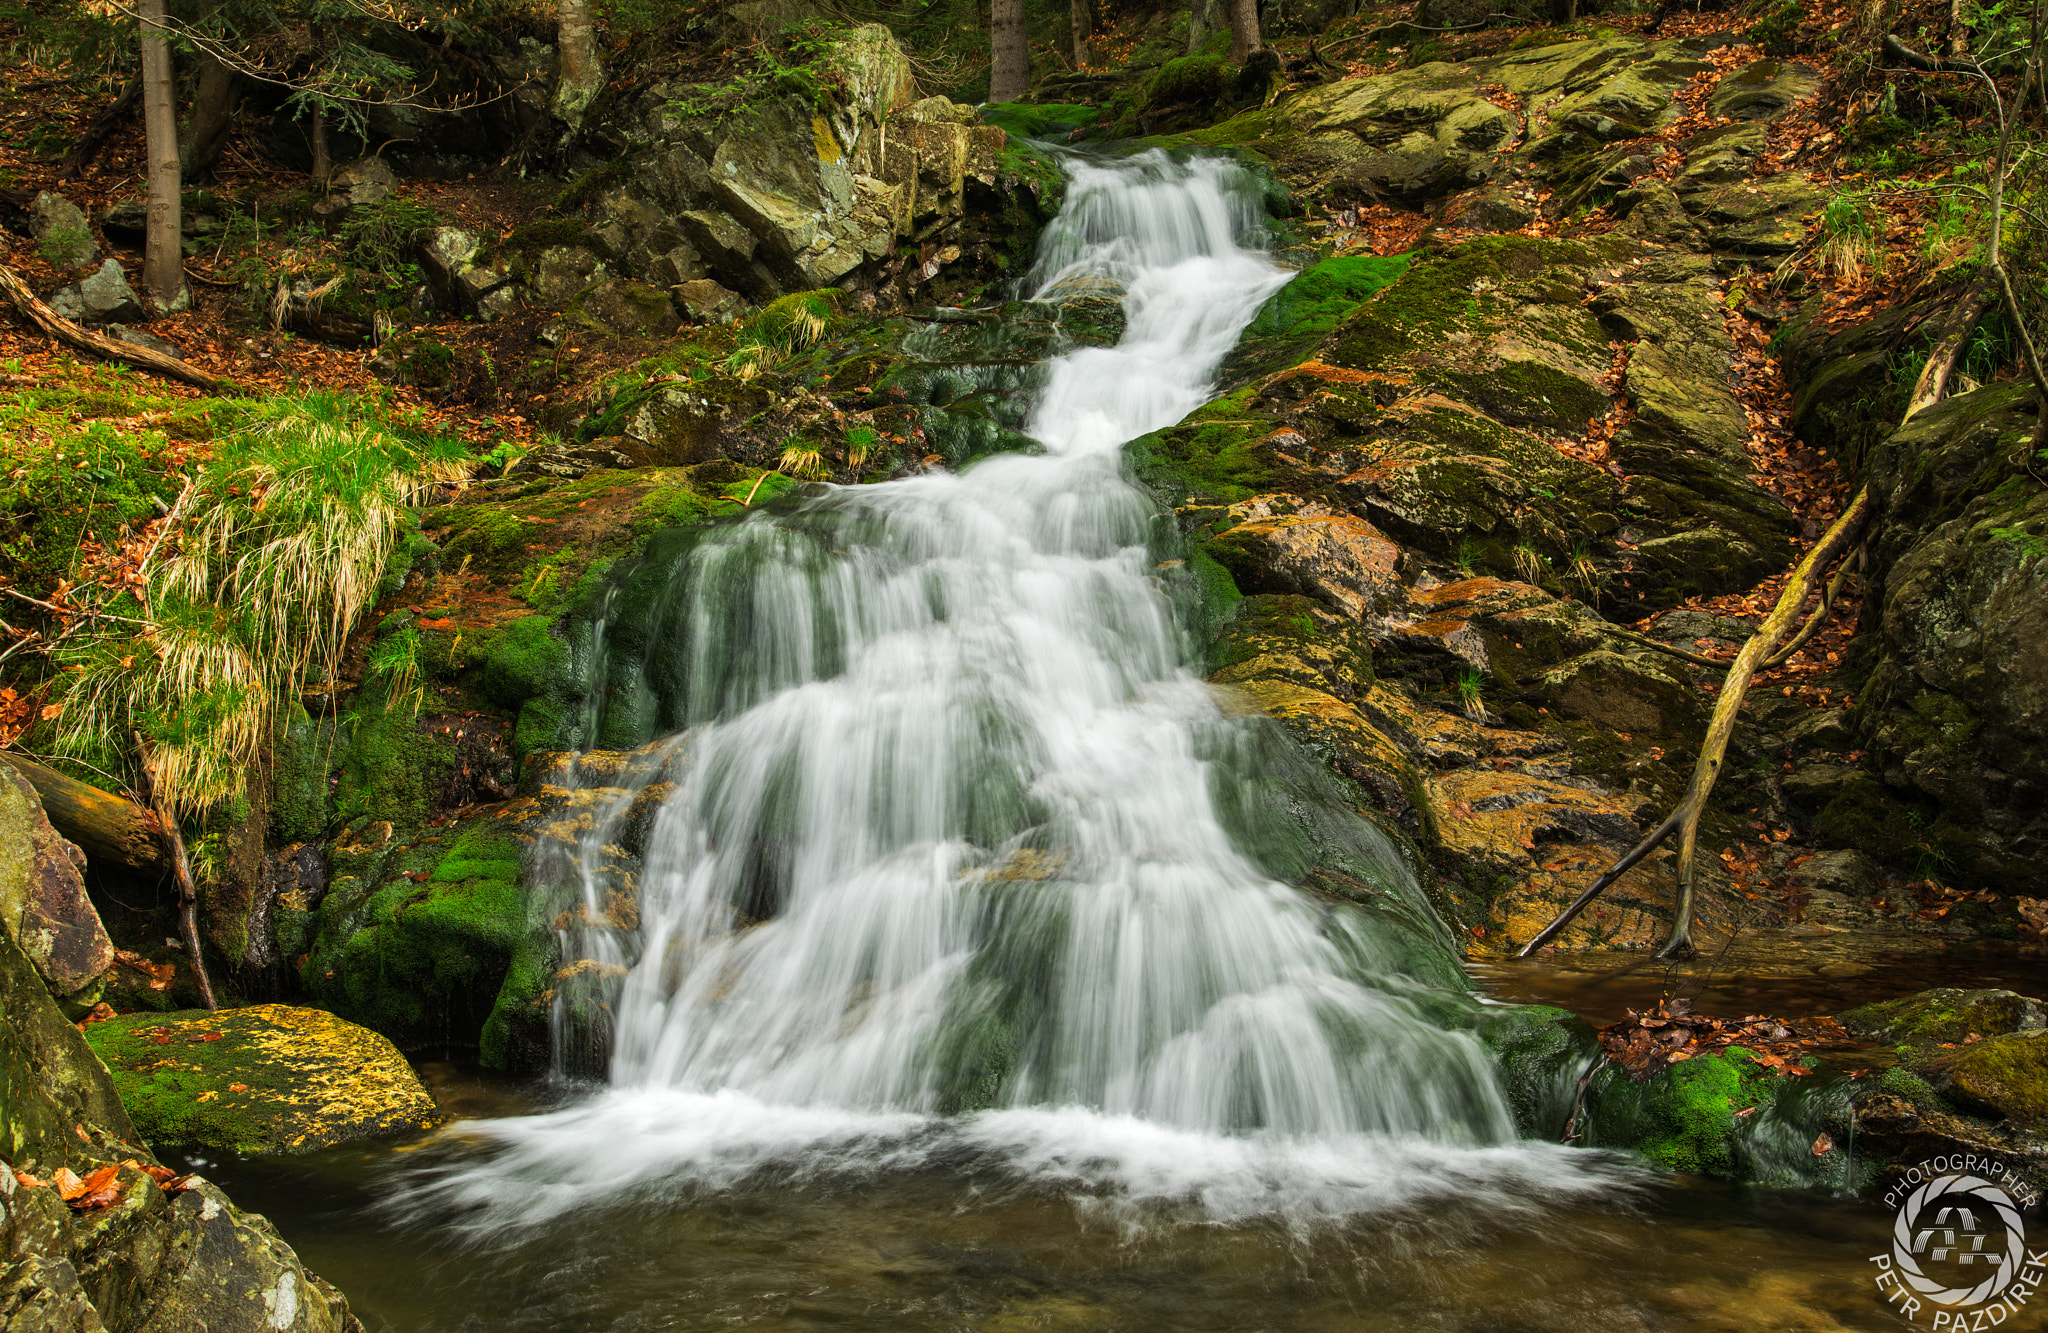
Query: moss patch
{"points": [[268, 1079]]}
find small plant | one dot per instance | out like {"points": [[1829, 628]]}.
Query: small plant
{"points": [[1530, 564], [395, 663], [1471, 694], [861, 443], [1848, 237], [1466, 561], [1583, 573], [803, 461]]}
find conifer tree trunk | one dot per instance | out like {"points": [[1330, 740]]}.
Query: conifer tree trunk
{"points": [[578, 76], [1078, 15], [1009, 76], [1244, 30], [163, 259]]}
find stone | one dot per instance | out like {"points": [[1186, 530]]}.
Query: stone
{"points": [[1848, 873], [632, 309], [1723, 154], [1764, 217], [2006, 1077], [137, 338], [152, 1260], [1946, 1014], [354, 186], [1342, 562], [272, 1078], [1487, 210], [63, 237], [1763, 90], [563, 272], [103, 298], [707, 301], [43, 904]]}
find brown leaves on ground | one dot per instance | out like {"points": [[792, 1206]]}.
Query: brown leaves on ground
{"points": [[1646, 1043]]}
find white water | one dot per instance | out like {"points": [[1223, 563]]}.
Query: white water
{"points": [[943, 882]]}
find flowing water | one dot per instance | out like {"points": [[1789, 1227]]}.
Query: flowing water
{"points": [[972, 985]]}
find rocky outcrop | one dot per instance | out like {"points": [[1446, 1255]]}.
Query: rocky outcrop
{"points": [[103, 298], [267, 1079], [43, 904], [132, 1249]]}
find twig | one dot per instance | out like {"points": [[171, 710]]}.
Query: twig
{"points": [[1648, 642], [72, 610]]}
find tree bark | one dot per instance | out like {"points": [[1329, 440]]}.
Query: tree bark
{"points": [[80, 154], [1200, 17], [579, 76], [163, 258], [109, 829], [323, 160], [85, 340], [1082, 23], [213, 111], [1244, 30], [1009, 76]]}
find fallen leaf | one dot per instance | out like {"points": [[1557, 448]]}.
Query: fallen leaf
{"points": [[1745, 1111], [69, 1186], [1824, 1144], [238, 1087]]}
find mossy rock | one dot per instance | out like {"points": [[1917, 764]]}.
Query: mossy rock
{"points": [[1946, 1014], [1685, 1118], [2004, 1076], [1540, 1051], [274, 1078], [1310, 307]]}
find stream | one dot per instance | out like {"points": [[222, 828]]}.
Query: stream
{"points": [[970, 987]]}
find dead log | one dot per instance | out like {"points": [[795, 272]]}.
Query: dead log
{"points": [[85, 340], [1685, 818], [110, 830]]}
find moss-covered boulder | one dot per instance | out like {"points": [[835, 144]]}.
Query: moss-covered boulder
{"points": [[273, 1078], [1945, 1014], [1730, 1116], [2006, 1077], [43, 905]]}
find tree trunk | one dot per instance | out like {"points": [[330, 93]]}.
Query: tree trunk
{"points": [[1078, 16], [110, 830], [1244, 30], [323, 161], [1200, 14], [579, 75], [213, 110], [163, 258], [1009, 76]]}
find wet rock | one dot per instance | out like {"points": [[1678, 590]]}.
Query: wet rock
{"points": [[2004, 1077], [268, 1079], [1945, 1014], [43, 904], [103, 298], [1764, 90], [63, 236], [1341, 561]]}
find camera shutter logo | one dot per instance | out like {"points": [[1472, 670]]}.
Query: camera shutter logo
{"points": [[1972, 1213]]}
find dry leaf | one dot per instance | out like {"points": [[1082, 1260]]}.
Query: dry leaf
{"points": [[1824, 1144]]}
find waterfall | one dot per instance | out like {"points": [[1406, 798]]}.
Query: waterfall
{"points": [[957, 858]]}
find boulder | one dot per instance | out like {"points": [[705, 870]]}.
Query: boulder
{"points": [[1945, 1014], [43, 905], [103, 298], [354, 186], [63, 237], [136, 1254], [2004, 1077], [706, 301], [1764, 217], [267, 1079], [1763, 90]]}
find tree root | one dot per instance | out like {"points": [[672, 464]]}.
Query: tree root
{"points": [[181, 870]]}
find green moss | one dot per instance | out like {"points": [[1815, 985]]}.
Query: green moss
{"points": [[1539, 1052], [1943, 1014], [1459, 291], [389, 766], [1317, 299], [1212, 456], [1040, 121], [1683, 1119]]}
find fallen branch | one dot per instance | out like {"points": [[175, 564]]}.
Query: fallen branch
{"points": [[1646, 641], [1685, 818], [181, 870], [109, 829], [64, 331], [1899, 51], [1817, 619]]}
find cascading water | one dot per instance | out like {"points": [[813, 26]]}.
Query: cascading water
{"points": [[961, 861]]}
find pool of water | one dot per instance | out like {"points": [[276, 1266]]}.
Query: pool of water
{"points": [[949, 1247], [934, 1251]]}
